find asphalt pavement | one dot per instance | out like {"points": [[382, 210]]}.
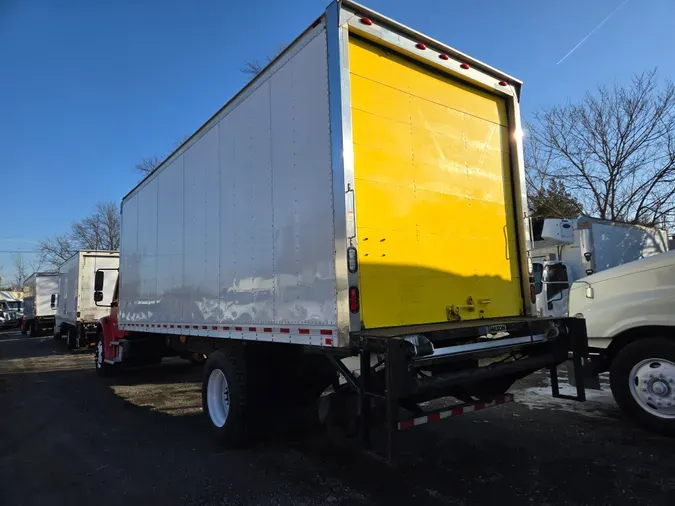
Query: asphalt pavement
{"points": [[69, 437]]}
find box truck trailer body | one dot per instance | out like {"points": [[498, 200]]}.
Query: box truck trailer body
{"points": [[242, 224], [77, 313], [38, 311], [364, 194]]}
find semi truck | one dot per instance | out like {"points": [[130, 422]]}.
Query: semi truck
{"points": [[38, 313], [77, 314], [362, 198], [11, 309], [566, 250]]}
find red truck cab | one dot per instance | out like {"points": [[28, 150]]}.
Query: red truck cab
{"points": [[108, 351]]}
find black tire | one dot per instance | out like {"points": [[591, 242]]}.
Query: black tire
{"points": [[102, 368], [197, 359], [33, 329], [57, 334], [620, 372], [231, 362], [71, 338]]}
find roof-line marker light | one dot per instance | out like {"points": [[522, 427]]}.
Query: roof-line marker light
{"points": [[366, 21], [420, 46], [465, 66], [443, 56]]}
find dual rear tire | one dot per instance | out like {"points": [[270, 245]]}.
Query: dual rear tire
{"points": [[72, 339], [34, 329], [244, 385], [224, 396]]}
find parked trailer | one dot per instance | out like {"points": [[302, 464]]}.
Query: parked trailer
{"points": [[38, 313], [77, 314], [363, 196]]}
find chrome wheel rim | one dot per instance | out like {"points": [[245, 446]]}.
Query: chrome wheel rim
{"points": [[218, 398], [652, 385]]}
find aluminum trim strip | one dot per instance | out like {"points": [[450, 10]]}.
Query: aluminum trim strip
{"points": [[498, 343]]}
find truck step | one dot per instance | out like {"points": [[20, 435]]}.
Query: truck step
{"points": [[118, 342], [457, 409]]}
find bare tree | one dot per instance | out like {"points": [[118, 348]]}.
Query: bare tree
{"points": [[99, 231], [56, 250], [20, 271], [254, 67], [614, 150], [146, 165]]}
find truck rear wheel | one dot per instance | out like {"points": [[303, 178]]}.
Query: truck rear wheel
{"points": [[71, 338], [224, 396], [102, 368], [34, 329], [642, 377]]}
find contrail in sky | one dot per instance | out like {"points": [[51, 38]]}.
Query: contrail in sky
{"points": [[592, 32]]}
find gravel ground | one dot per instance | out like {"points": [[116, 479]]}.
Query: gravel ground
{"points": [[68, 437]]}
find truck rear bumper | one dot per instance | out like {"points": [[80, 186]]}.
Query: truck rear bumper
{"points": [[478, 351], [469, 362]]}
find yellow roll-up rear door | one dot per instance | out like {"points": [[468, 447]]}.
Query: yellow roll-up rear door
{"points": [[434, 204]]}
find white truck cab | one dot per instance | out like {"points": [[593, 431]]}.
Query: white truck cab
{"points": [[566, 250], [630, 319]]}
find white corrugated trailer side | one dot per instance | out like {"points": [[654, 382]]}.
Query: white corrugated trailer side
{"points": [[76, 311], [38, 312], [613, 243], [236, 231]]}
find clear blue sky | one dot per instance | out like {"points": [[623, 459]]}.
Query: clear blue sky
{"points": [[87, 88]]}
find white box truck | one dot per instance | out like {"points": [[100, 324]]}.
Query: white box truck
{"points": [[77, 314], [38, 311], [363, 196], [566, 250]]}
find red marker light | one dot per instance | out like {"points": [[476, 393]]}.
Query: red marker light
{"points": [[465, 66], [443, 56], [366, 21], [420, 46], [354, 299], [503, 83]]}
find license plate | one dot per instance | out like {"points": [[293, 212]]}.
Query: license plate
{"points": [[493, 329]]}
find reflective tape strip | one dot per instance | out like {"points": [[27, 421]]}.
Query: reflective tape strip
{"points": [[325, 337], [453, 411]]}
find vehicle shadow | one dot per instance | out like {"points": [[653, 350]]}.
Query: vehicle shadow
{"points": [[154, 413]]}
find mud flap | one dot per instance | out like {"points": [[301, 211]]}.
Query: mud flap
{"points": [[591, 378]]}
